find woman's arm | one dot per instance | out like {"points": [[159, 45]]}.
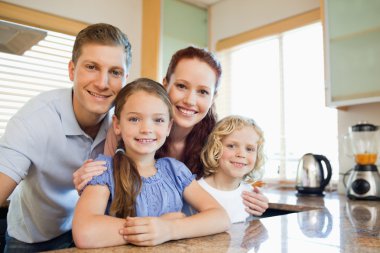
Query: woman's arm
{"points": [[255, 201], [211, 219], [91, 227]]}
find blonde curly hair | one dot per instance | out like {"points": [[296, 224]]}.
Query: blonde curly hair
{"points": [[213, 149]]}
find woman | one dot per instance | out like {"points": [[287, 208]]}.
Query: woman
{"points": [[192, 81]]}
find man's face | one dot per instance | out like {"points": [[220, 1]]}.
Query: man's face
{"points": [[98, 76]]}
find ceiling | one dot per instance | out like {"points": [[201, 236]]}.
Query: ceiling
{"points": [[202, 3]]}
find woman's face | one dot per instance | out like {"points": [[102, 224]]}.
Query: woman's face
{"points": [[191, 90]]}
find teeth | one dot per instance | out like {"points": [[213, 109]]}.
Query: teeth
{"points": [[146, 140], [186, 112], [239, 165], [97, 95]]}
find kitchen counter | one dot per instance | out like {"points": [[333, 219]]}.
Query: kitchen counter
{"points": [[326, 224]]}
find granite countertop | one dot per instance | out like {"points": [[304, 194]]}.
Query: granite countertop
{"points": [[332, 223]]}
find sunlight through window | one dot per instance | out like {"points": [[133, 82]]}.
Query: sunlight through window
{"points": [[42, 68], [279, 82]]}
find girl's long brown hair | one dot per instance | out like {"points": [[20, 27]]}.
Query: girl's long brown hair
{"points": [[127, 185], [126, 175], [198, 135]]}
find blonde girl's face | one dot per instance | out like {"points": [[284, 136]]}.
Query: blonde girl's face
{"points": [[144, 124], [239, 153], [191, 90]]}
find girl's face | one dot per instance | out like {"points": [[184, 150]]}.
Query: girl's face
{"points": [[239, 153], [191, 90], [144, 124]]}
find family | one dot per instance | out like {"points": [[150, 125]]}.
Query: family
{"points": [[108, 163]]}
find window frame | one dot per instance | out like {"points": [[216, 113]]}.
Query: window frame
{"points": [[26, 16], [275, 28]]}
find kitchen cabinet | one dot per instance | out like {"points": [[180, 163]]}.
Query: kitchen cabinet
{"points": [[352, 51]]}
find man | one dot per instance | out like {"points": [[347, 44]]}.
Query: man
{"points": [[51, 137]]}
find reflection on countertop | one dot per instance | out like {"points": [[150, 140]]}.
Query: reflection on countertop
{"points": [[320, 224]]}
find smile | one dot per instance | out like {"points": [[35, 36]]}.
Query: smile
{"points": [[98, 95], [186, 112], [238, 165], [145, 140]]}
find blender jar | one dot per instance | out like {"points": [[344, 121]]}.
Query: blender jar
{"points": [[364, 143]]}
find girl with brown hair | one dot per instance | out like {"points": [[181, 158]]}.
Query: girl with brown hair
{"points": [[137, 191]]}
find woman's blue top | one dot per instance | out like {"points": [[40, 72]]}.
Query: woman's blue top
{"points": [[161, 193]]}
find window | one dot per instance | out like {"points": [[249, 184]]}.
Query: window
{"points": [[279, 82], [43, 67]]}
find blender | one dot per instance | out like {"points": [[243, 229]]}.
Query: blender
{"points": [[364, 180]]}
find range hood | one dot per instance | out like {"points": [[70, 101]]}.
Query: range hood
{"points": [[16, 39]]}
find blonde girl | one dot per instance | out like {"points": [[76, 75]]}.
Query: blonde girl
{"points": [[231, 158]]}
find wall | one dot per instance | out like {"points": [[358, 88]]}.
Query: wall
{"points": [[226, 21], [125, 14]]}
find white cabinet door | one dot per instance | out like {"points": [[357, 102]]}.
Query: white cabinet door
{"points": [[352, 51]]}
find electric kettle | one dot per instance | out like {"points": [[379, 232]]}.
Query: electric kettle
{"points": [[311, 177]]}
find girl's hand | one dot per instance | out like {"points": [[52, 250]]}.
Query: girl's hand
{"points": [[85, 173], [256, 203], [146, 231]]}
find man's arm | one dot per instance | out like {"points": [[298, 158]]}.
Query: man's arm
{"points": [[7, 185]]}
